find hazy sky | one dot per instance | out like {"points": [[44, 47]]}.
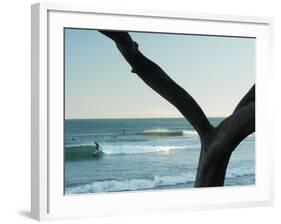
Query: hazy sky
{"points": [[216, 71]]}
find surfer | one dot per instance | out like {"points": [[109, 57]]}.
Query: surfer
{"points": [[97, 151], [97, 147]]}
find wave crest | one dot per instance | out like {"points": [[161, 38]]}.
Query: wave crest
{"points": [[144, 184], [138, 149], [133, 184], [167, 132], [86, 151]]}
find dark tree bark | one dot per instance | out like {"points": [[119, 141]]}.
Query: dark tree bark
{"points": [[217, 143]]}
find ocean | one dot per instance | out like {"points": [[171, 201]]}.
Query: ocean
{"points": [[142, 154]]}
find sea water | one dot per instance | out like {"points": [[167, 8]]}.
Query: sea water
{"points": [[142, 154]]}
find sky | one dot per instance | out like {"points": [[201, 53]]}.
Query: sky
{"points": [[216, 71]]}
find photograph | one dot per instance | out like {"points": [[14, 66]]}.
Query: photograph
{"points": [[150, 111]]}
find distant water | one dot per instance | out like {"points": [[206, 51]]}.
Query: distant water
{"points": [[141, 154]]}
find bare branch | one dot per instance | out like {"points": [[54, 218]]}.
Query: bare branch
{"points": [[236, 128], [159, 81], [248, 98]]}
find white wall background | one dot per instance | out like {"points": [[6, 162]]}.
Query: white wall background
{"points": [[15, 110]]}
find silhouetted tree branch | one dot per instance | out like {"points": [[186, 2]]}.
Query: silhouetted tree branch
{"points": [[237, 126], [249, 97], [158, 80], [217, 143]]}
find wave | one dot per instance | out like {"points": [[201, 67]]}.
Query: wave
{"points": [[86, 151], [167, 132], [240, 172], [79, 152], [144, 184], [133, 184], [138, 149]]}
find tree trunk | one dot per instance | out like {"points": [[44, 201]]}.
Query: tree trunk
{"points": [[217, 143], [211, 169]]}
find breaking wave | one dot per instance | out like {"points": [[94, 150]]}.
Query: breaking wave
{"points": [[86, 151], [143, 184], [138, 149], [167, 132], [133, 184]]}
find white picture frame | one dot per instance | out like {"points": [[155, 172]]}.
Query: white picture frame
{"points": [[48, 201]]}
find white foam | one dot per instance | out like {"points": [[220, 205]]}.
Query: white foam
{"points": [[157, 130], [133, 184], [190, 133], [157, 181], [137, 149], [167, 132]]}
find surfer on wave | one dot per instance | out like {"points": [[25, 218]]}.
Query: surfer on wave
{"points": [[97, 147]]}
